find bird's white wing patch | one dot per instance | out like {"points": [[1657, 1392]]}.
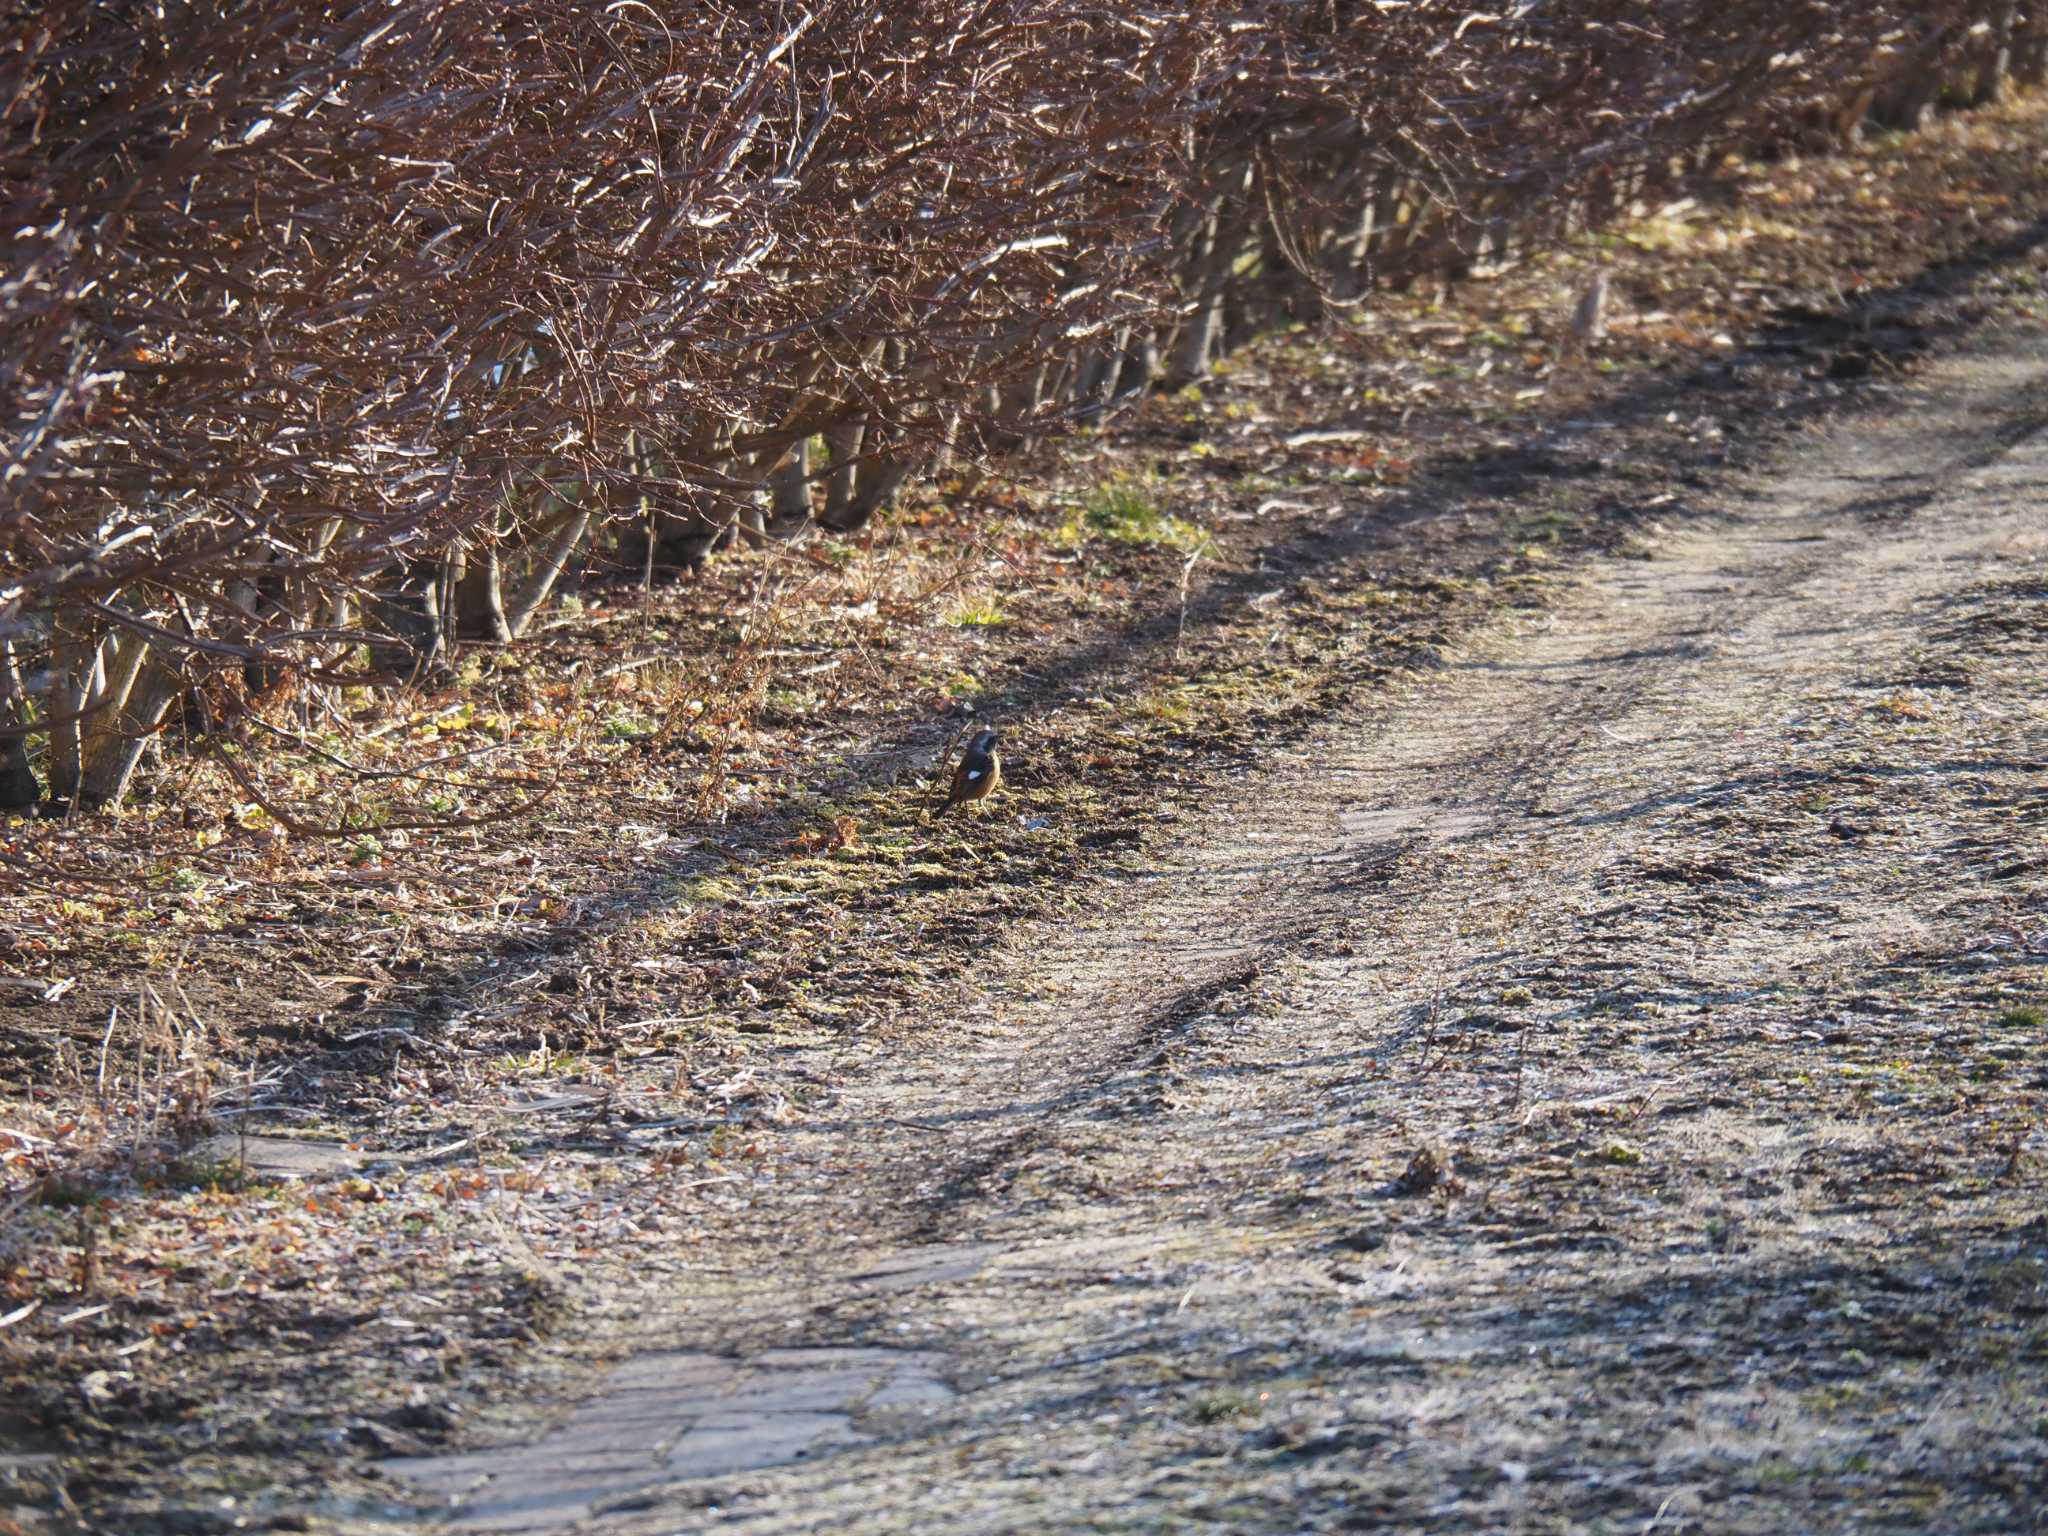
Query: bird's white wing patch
{"points": [[973, 774]]}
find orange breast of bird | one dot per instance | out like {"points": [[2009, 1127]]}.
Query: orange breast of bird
{"points": [[974, 780]]}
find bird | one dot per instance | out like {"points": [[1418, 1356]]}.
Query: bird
{"points": [[979, 773], [1589, 320]]}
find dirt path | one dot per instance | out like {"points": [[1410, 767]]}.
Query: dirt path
{"points": [[1599, 1089]]}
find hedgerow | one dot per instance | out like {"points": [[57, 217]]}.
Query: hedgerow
{"points": [[331, 336]]}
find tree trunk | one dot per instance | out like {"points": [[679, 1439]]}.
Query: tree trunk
{"points": [[1141, 365], [751, 516], [1994, 58], [1908, 102], [564, 535], [1199, 331], [413, 643], [878, 482], [122, 731], [2030, 46], [844, 441], [75, 676], [791, 490], [480, 594], [18, 786]]}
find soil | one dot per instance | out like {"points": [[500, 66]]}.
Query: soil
{"points": [[1599, 1082], [1506, 996]]}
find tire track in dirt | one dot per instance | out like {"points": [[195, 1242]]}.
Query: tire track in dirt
{"points": [[1293, 1191], [1277, 883]]}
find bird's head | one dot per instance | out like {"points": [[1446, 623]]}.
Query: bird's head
{"points": [[985, 741]]}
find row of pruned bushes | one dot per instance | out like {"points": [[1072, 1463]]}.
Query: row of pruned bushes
{"points": [[332, 335]]}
